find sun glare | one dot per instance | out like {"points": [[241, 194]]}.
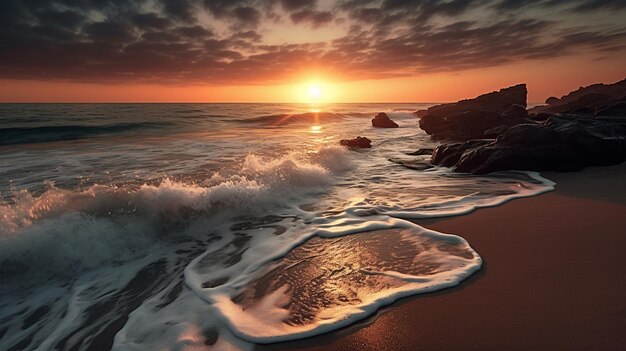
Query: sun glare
{"points": [[315, 92]]}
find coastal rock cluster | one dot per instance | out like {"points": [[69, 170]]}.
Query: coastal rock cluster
{"points": [[495, 132], [482, 117], [559, 143], [594, 100]]}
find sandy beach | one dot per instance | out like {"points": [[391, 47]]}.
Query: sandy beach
{"points": [[553, 279]]}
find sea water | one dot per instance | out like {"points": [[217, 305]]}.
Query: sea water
{"points": [[217, 226]]}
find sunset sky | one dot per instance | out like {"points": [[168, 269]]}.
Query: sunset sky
{"points": [[275, 50]]}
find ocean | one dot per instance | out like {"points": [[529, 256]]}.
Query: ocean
{"points": [[218, 226]]}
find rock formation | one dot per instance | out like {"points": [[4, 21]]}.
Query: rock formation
{"points": [[358, 142], [477, 118], [383, 121], [583, 128], [560, 144], [596, 99]]}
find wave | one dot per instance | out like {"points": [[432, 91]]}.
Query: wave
{"points": [[24, 135], [306, 117], [87, 227], [238, 258], [326, 278]]}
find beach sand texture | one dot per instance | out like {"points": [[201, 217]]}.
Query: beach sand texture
{"points": [[553, 278]]}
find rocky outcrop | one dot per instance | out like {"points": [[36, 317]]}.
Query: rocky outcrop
{"points": [[497, 101], [421, 113], [593, 100], [421, 152], [418, 165], [358, 142], [479, 117], [559, 143], [383, 121], [615, 109]]}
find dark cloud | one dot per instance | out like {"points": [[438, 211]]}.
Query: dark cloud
{"points": [[150, 21], [593, 5], [293, 5], [221, 41], [574, 5], [315, 18]]}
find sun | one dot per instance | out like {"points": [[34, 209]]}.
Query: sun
{"points": [[315, 92]]}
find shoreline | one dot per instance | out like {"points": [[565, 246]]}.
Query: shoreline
{"points": [[553, 278]]}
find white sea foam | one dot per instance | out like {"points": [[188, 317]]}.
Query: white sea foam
{"points": [[224, 259], [266, 319], [61, 231]]}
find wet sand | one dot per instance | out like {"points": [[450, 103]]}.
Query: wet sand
{"points": [[554, 278]]}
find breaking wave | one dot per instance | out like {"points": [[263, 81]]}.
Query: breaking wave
{"points": [[260, 249]]}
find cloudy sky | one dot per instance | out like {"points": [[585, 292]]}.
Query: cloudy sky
{"points": [[265, 50]]}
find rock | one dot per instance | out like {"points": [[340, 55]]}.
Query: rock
{"points": [[552, 100], [541, 116], [515, 111], [471, 119], [383, 121], [466, 125], [421, 113], [358, 142], [497, 101], [583, 128], [586, 100], [448, 155], [559, 144], [421, 152], [412, 164], [615, 109]]}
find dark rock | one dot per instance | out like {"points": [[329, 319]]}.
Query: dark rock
{"points": [[421, 113], [412, 164], [586, 100], [497, 101], [552, 100], [466, 125], [421, 152], [515, 112], [541, 116], [358, 142], [471, 119], [448, 155], [383, 121], [615, 109], [560, 144], [587, 111], [493, 133]]}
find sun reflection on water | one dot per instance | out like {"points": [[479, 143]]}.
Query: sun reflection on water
{"points": [[315, 129]]}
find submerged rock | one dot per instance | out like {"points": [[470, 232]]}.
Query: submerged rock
{"points": [[560, 144], [473, 118], [412, 164], [358, 142], [383, 121], [421, 152]]}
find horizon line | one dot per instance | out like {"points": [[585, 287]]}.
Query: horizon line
{"points": [[231, 102]]}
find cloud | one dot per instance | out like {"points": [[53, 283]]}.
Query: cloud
{"points": [[222, 41], [574, 5], [315, 18]]}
